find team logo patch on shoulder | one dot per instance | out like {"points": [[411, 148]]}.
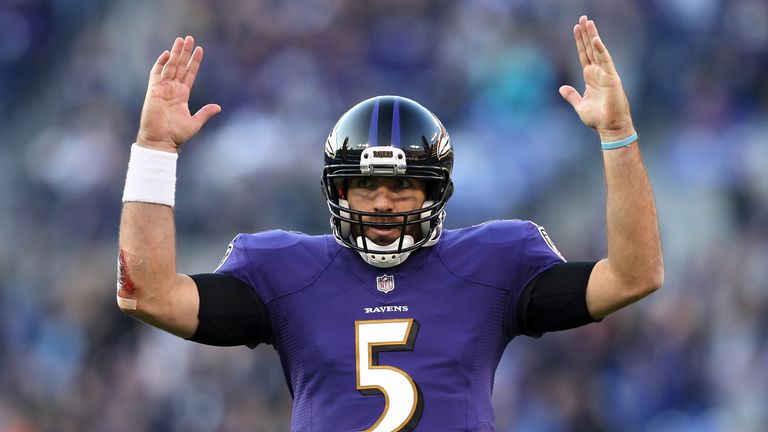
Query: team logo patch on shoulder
{"points": [[385, 283], [549, 242]]}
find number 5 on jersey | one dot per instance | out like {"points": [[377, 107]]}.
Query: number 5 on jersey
{"points": [[403, 402]]}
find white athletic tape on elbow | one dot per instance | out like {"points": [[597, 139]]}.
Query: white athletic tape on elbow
{"points": [[151, 176], [127, 304]]}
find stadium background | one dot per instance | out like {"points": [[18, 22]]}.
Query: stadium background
{"points": [[693, 357]]}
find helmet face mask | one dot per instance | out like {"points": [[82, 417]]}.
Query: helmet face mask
{"points": [[347, 221], [388, 136]]}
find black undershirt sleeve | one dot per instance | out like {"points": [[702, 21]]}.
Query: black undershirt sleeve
{"points": [[230, 312], [555, 300]]}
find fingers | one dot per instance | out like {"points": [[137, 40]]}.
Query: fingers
{"points": [[181, 63], [154, 74], [602, 52], [204, 114], [169, 70], [602, 56], [192, 66], [589, 45], [582, 32], [571, 95], [594, 38], [186, 53], [580, 47]]}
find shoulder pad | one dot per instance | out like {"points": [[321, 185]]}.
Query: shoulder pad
{"points": [[491, 253], [498, 232], [276, 262]]}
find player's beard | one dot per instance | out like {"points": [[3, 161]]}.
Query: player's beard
{"points": [[384, 236]]}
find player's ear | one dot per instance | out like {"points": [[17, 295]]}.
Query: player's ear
{"points": [[341, 188]]}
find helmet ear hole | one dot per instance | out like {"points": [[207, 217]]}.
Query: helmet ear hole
{"points": [[450, 190], [432, 189]]}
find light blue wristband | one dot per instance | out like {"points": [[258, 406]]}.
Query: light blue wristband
{"points": [[618, 144]]}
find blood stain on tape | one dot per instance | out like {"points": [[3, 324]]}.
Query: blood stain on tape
{"points": [[126, 290]]}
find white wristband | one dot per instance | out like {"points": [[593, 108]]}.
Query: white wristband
{"points": [[151, 176]]}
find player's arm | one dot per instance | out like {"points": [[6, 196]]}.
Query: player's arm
{"points": [[634, 267], [148, 286]]}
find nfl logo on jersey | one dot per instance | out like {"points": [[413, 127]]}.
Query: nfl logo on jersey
{"points": [[385, 283]]}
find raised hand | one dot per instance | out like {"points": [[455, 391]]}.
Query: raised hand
{"points": [[603, 106], [166, 122]]}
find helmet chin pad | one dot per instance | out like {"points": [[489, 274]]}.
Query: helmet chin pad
{"points": [[384, 256]]}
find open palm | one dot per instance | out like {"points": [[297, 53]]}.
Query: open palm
{"points": [[603, 106], [166, 122]]}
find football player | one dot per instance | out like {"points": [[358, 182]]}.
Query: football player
{"points": [[392, 322]]}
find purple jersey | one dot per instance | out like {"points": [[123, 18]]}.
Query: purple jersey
{"points": [[367, 348]]}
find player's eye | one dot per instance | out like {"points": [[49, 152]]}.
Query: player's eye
{"points": [[404, 183], [362, 183]]}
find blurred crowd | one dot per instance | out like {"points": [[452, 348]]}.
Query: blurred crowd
{"points": [[692, 357]]}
